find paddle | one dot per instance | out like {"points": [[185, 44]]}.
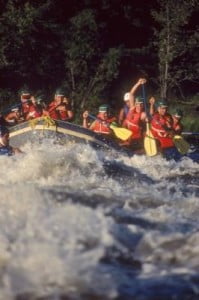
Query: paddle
{"points": [[181, 145], [120, 132], [150, 145], [190, 133]]}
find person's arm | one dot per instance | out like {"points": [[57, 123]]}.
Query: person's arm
{"points": [[21, 119], [121, 116], [133, 90], [52, 106], [179, 129], [85, 119], [152, 104], [156, 121], [10, 118], [169, 122], [91, 127], [70, 114], [30, 115], [144, 117], [45, 113], [63, 107]]}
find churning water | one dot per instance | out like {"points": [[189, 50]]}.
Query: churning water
{"points": [[76, 223]]}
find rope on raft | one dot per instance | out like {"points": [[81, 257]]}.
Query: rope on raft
{"points": [[47, 122]]}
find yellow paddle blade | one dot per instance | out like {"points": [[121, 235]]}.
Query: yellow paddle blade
{"points": [[122, 133], [181, 145], [150, 145]]}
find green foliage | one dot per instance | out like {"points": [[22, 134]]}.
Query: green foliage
{"points": [[191, 123], [95, 47], [175, 44], [7, 98], [17, 24], [25, 50], [190, 118], [89, 67]]}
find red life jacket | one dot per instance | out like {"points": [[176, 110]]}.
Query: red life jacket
{"points": [[102, 126], [25, 107], [53, 113], [63, 114], [57, 114], [158, 130], [25, 104], [133, 123], [177, 127], [34, 112]]}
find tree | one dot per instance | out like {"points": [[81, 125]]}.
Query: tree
{"points": [[89, 66], [29, 44], [175, 43]]}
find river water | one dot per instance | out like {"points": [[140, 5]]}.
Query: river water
{"points": [[81, 224]]}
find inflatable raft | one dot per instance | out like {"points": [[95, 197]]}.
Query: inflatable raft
{"points": [[64, 132], [38, 129]]}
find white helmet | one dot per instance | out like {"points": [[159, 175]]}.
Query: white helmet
{"points": [[126, 96]]}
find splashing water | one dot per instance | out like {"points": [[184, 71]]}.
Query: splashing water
{"points": [[84, 224]]}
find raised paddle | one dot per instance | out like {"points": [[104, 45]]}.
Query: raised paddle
{"points": [[120, 132], [150, 145]]}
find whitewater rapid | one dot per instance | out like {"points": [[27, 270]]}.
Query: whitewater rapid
{"points": [[86, 224]]}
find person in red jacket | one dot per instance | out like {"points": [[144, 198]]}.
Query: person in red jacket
{"points": [[25, 101], [59, 108], [129, 99], [177, 125], [162, 126], [136, 117], [54, 106], [69, 114], [102, 122], [125, 109], [36, 109]]}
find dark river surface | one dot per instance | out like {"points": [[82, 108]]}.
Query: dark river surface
{"points": [[80, 224]]}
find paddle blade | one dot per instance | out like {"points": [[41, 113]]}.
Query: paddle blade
{"points": [[122, 133], [150, 145], [181, 145]]}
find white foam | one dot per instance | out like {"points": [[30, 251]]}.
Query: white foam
{"points": [[52, 240], [46, 245]]}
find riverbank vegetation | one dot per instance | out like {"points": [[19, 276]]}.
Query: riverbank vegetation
{"points": [[96, 50]]}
